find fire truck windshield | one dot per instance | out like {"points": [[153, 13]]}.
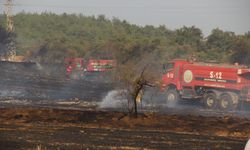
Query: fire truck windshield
{"points": [[167, 67]]}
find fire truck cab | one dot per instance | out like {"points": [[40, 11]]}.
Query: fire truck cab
{"points": [[74, 67]]}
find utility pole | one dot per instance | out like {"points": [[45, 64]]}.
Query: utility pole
{"points": [[11, 49], [10, 22]]}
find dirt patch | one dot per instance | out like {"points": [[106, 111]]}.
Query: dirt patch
{"points": [[67, 129], [221, 126]]}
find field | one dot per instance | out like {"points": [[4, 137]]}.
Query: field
{"points": [[41, 111], [25, 128]]}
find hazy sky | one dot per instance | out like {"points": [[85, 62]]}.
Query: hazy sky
{"points": [[229, 15]]}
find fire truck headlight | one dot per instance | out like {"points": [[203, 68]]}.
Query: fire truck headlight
{"points": [[238, 80], [239, 71]]}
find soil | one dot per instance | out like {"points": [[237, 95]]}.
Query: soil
{"points": [[28, 128]]}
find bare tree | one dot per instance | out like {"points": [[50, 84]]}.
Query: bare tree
{"points": [[134, 77]]}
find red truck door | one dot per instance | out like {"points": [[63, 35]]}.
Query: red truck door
{"points": [[172, 74]]}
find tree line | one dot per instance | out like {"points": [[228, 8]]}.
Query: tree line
{"points": [[49, 37]]}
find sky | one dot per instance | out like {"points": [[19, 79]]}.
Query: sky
{"points": [[228, 15]]}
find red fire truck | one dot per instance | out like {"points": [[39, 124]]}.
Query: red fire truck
{"points": [[100, 65], [74, 67], [77, 68], [217, 85]]}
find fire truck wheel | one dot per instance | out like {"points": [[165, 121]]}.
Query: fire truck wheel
{"points": [[226, 101], [235, 99], [172, 96], [210, 100]]}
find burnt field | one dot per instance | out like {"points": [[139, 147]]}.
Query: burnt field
{"points": [[40, 108], [28, 80], [71, 129]]}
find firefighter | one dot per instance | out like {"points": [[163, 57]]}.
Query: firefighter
{"points": [[192, 58]]}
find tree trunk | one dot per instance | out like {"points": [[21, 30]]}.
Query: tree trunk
{"points": [[135, 95], [135, 105]]}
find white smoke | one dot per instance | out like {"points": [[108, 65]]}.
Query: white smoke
{"points": [[172, 104], [39, 66], [114, 99]]}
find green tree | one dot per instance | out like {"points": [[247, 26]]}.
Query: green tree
{"points": [[69, 35], [241, 51], [189, 35], [223, 41]]}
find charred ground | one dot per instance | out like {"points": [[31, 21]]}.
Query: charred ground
{"points": [[43, 108], [69, 129], [28, 80]]}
